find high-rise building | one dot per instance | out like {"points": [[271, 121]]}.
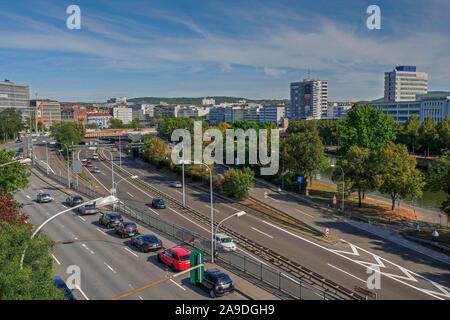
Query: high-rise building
{"points": [[124, 114], [404, 83], [309, 99], [15, 96], [48, 112]]}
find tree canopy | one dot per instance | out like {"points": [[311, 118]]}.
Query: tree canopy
{"points": [[14, 176]]}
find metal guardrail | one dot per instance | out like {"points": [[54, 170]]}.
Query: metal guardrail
{"points": [[288, 284]]}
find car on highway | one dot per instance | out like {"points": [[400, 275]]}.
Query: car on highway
{"points": [[89, 164], [84, 160], [88, 209], [158, 203], [44, 197], [224, 242], [18, 141], [74, 200], [216, 282], [96, 170], [177, 258], [114, 149], [95, 156], [126, 229], [146, 242], [61, 285], [176, 184], [110, 219]]}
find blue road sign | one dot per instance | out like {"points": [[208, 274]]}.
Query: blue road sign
{"points": [[299, 179]]}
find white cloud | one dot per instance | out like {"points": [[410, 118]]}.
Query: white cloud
{"points": [[273, 72]]}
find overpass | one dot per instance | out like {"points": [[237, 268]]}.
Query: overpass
{"points": [[116, 133]]}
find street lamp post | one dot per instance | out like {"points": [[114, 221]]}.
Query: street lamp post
{"points": [[99, 202], [237, 214], [343, 184], [112, 167], [22, 161], [114, 189], [211, 200]]}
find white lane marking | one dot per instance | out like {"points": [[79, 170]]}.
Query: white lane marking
{"points": [[276, 200], [253, 257], [104, 174], [82, 293], [177, 284], [140, 298], [81, 218], [65, 206], [134, 254], [178, 191], [109, 267], [306, 214], [347, 273], [267, 235], [433, 294], [201, 227], [209, 207], [29, 198], [54, 258], [230, 207], [130, 194], [101, 231], [153, 211]]}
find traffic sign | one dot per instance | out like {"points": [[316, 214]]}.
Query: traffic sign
{"points": [[77, 167], [197, 258], [299, 179]]}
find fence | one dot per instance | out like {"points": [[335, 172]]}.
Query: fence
{"points": [[295, 288]]}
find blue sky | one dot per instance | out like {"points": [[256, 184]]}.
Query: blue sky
{"points": [[205, 47]]}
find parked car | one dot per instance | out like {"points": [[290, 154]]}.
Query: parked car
{"points": [[60, 284], [146, 242], [176, 184], [88, 209], [75, 200], [216, 283], [177, 258], [126, 229], [224, 242], [158, 203], [96, 170], [110, 219], [44, 198]]}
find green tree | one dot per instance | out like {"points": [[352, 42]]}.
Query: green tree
{"points": [[135, 124], [399, 177], [10, 123], [360, 167], [116, 124], [365, 127], [238, 182], [13, 177], [305, 154], [67, 133], [444, 133], [92, 126], [428, 135], [438, 178], [155, 151], [34, 281], [411, 132]]}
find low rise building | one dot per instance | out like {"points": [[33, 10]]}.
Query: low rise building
{"points": [[124, 114], [100, 119], [48, 112]]}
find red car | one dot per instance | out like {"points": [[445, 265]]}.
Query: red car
{"points": [[177, 258], [89, 164]]}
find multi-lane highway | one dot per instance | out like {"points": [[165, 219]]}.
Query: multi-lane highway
{"points": [[109, 265], [405, 275]]}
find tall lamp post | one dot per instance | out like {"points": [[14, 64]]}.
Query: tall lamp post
{"points": [[22, 161], [99, 202], [112, 167], [211, 199], [343, 184], [237, 214], [114, 189]]}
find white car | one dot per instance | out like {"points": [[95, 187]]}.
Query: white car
{"points": [[95, 156], [176, 184], [224, 242]]}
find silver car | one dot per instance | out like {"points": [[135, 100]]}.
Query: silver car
{"points": [[176, 184]]}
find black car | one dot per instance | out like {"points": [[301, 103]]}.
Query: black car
{"points": [[158, 203], [126, 229], [146, 242], [88, 209], [217, 283], [74, 200], [110, 219], [60, 284]]}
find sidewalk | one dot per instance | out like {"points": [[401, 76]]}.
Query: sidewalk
{"points": [[387, 234]]}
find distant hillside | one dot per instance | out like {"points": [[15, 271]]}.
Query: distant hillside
{"points": [[184, 100]]}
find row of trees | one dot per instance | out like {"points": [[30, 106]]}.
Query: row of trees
{"points": [[67, 133], [118, 124]]}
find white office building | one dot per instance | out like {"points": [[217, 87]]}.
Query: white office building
{"points": [[124, 114], [337, 110], [404, 83], [435, 105]]}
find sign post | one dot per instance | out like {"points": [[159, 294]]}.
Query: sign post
{"points": [[299, 181], [196, 275]]}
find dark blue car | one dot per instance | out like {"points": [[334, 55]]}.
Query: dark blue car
{"points": [[147, 242], [60, 284]]}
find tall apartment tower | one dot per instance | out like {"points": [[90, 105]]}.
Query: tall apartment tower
{"points": [[404, 83], [309, 99]]}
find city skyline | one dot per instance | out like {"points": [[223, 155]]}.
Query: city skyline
{"points": [[252, 50]]}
